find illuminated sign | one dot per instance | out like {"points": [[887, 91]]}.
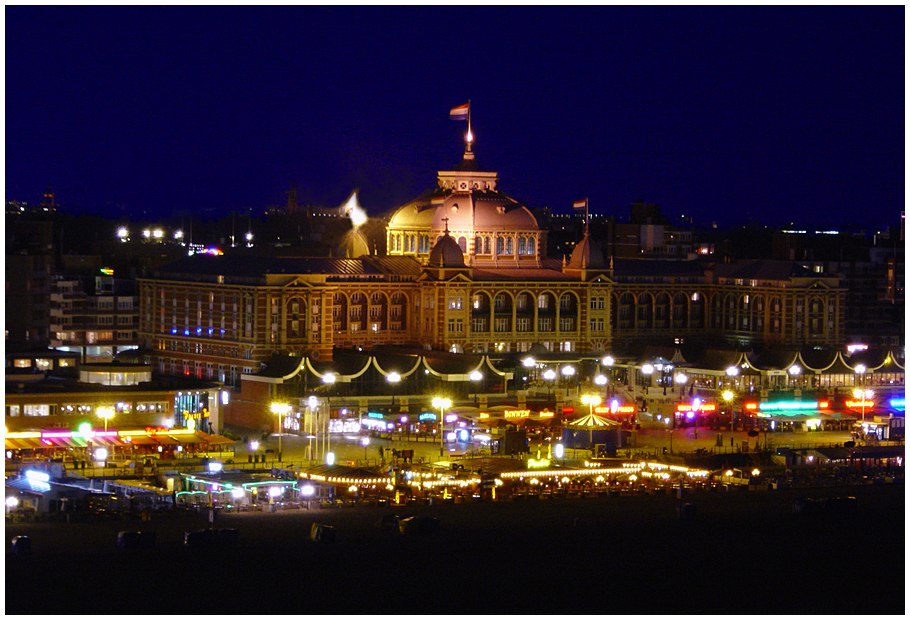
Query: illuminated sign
{"points": [[703, 407], [750, 406], [517, 413], [614, 408], [538, 463], [484, 416], [792, 405], [546, 413], [860, 403], [374, 414], [423, 417]]}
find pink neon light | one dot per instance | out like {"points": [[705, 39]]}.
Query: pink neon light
{"points": [[58, 434]]}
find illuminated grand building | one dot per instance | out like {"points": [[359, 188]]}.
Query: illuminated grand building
{"points": [[467, 271]]}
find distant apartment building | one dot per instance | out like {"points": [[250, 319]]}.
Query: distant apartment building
{"points": [[97, 316]]}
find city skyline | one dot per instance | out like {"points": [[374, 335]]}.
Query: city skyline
{"points": [[725, 115]]}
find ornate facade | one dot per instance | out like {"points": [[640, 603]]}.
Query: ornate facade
{"points": [[467, 272]]}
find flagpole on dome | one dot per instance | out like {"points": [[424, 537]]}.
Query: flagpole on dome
{"points": [[469, 137]]}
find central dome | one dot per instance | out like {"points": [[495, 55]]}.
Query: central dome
{"points": [[489, 227]]}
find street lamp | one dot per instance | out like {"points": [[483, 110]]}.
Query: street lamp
{"points": [[728, 397], [476, 376], [863, 396], [393, 378], [364, 441], [567, 372], [442, 403], [549, 375], [860, 370], [591, 400], [105, 413], [281, 409]]}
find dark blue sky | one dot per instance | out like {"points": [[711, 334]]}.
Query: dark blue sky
{"points": [[770, 113]]}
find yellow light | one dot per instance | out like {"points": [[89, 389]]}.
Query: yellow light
{"points": [[591, 399], [727, 395], [538, 463], [756, 472]]}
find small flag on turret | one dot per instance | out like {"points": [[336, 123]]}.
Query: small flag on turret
{"points": [[460, 112], [580, 204]]}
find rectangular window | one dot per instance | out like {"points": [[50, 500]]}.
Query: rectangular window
{"points": [[523, 324], [501, 325], [37, 410]]}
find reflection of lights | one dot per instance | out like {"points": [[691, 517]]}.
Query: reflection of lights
{"points": [[40, 476]]}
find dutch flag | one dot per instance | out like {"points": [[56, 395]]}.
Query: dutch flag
{"points": [[460, 112]]}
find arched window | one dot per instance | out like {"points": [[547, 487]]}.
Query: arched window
{"points": [[521, 245], [531, 246], [478, 245], [499, 246], [463, 244]]}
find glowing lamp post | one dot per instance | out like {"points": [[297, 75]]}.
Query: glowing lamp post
{"points": [[394, 379], [567, 372], [591, 400], [441, 403], [863, 396], [364, 441], [728, 397], [105, 413], [476, 376], [549, 375], [280, 409]]}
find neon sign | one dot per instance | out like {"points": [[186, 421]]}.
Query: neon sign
{"points": [[517, 413], [703, 407]]}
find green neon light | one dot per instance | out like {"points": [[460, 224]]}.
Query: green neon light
{"points": [[179, 493], [246, 485], [227, 485], [789, 405]]}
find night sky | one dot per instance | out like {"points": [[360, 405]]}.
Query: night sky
{"points": [[723, 114]]}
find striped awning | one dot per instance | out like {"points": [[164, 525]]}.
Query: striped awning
{"points": [[23, 444]]}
